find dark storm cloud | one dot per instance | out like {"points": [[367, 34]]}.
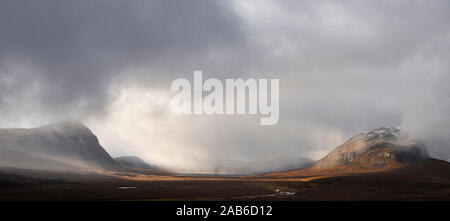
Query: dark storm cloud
{"points": [[75, 48]]}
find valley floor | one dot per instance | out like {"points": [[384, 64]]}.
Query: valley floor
{"points": [[427, 181]]}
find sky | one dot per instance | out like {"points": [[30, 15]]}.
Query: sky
{"points": [[344, 67]]}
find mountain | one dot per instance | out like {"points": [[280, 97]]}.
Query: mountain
{"points": [[64, 145], [133, 162], [382, 147]]}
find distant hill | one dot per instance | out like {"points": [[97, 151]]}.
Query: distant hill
{"points": [[64, 145], [277, 164], [133, 162], [137, 165], [274, 164]]}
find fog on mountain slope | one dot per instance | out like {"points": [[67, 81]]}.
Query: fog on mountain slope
{"points": [[70, 145], [66, 145]]}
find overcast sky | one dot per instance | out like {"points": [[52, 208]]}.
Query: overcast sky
{"points": [[344, 68]]}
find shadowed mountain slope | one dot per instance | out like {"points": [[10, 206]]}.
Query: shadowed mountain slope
{"points": [[133, 162], [64, 145]]}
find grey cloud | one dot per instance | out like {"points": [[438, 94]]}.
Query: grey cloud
{"points": [[76, 48]]}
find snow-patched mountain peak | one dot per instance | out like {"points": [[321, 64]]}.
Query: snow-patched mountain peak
{"points": [[383, 133], [386, 132], [381, 147]]}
